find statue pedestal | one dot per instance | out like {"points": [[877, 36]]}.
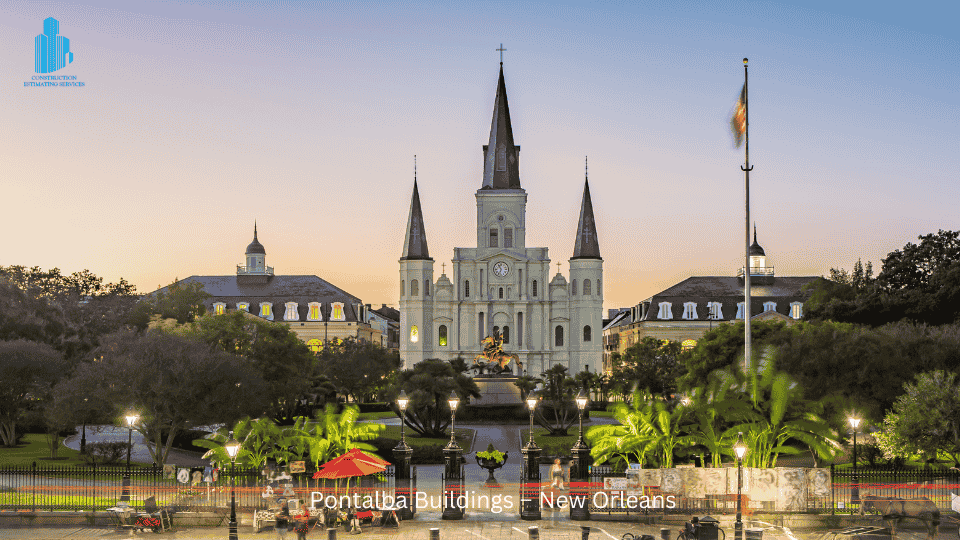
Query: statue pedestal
{"points": [[496, 391]]}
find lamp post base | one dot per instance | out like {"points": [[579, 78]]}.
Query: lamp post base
{"points": [[232, 527], [738, 530]]}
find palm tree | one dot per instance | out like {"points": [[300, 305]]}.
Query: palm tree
{"points": [[630, 439], [257, 440]]}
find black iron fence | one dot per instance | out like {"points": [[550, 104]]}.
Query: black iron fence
{"points": [[184, 489], [849, 485]]}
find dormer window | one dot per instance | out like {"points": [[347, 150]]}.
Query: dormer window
{"points": [[715, 310], [291, 313], [666, 310], [313, 312], [337, 313], [219, 308], [266, 310], [243, 306], [739, 310], [796, 310], [690, 311], [769, 306]]}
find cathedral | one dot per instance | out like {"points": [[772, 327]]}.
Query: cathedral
{"points": [[501, 286]]}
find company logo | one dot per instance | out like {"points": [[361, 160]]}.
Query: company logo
{"points": [[50, 50]]}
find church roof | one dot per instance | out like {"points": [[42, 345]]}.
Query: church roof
{"points": [[501, 167], [755, 249], [586, 245], [278, 290], [255, 246], [415, 242]]}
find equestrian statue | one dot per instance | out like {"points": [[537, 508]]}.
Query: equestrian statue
{"points": [[494, 360]]}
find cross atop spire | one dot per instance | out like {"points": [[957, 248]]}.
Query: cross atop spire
{"points": [[501, 49], [501, 157]]}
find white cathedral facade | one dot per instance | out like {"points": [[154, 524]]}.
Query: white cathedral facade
{"points": [[502, 285]]}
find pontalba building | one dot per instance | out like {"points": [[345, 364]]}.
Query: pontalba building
{"points": [[315, 309], [502, 285]]}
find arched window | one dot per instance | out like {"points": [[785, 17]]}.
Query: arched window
{"points": [[219, 308], [769, 306], [403, 288], [586, 287], [336, 312], [266, 310], [316, 346], [291, 314], [501, 293], [506, 334], [414, 287], [587, 334], [426, 288], [243, 306], [496, 330], [558, 337], [796, 310], [414, 334], [466, 289], [534, 287], [599, 290], [313, 313], [688, 344], [442, 336], [573, 287]]}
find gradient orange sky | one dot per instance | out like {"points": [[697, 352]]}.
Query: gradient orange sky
{"points": [[198, 118]]}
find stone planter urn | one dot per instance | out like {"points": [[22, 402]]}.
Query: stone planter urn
{"points": [[490, 464]]}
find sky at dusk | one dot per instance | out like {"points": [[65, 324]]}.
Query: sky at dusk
{"points": [[198, 117]]}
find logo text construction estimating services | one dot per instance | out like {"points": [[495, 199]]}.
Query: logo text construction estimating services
{"points": [[51, 52]]}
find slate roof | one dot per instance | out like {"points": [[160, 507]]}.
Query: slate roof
{"points": [[501, 137], [278, 290], [415, 242], [586, 245], [255, 246], [388, 312], [729, 292]]}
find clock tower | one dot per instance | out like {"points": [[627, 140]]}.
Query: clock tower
{"points": [[501, 285]]}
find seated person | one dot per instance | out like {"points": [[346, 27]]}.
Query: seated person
{"points": [[353, 523], [390, 518], [330, 517]]}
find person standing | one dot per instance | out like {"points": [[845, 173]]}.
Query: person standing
{"points": [[556, 475], [283, 520], [303, 522]]}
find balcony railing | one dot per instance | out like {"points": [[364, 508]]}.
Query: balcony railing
{"points": [[250, 270], [757, 271]]}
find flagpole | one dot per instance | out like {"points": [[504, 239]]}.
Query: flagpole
{"points": [[746, 168]]}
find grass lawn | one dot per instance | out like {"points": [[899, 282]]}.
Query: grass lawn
{"points": [[601, 414], [377, 415], [33, 448], [552, 446], [465, 438]]}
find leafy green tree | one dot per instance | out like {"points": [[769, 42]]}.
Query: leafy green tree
{"points": [[358, 369], [181, 301], [926, 418], [28, 370], [173, 382], [557, 410], [650, 364], [428, 386], [283, 360], [526, 384], [723, 347]]}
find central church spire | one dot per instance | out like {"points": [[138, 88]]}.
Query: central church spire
{"points": [[501, 157]]}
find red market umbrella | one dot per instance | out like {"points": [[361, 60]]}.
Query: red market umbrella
{"points": [[353, 463]]}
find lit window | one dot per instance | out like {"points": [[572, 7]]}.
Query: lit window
{"points": [[466, 289], [796, 310], [243, 306], [769, 306], [442, 336], [587, 334], [314, 312], [689, 311], [315, 345], [291, 313], [414, 334], [688, 344], [573, 287], [494, 238], [506, 334], [414, 287], [715, 310], [558, 337], [666, 311], [508, 238], [534, 288], [739, 310], [337, 314], [219, 308], [266, 310], [586, 287]]}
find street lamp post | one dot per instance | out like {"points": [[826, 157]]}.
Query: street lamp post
{"points": [[83, 433], [855, 488], [125, 493], [233, 448], [402, 454], [530, 481], [453, 476], [740, 449], [579, 471]]}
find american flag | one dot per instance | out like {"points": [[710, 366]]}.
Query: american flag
{"points": [[738, 123]]}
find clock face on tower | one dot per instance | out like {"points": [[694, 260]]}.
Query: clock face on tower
{"points": [[501, 269]]}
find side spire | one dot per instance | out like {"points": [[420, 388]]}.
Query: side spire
{"points": [[586, 246], [256, 246], [501, 165], [415, 242]]}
